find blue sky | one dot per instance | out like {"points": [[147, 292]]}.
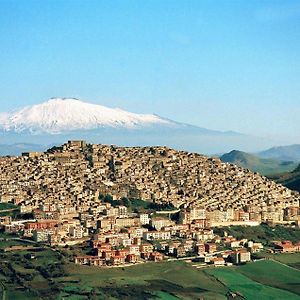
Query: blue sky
{"points": [[226, 65]]}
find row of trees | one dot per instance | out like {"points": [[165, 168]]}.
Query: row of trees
{"points": [[136, 204]]}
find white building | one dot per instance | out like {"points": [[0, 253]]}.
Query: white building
{"points": [[144, 218]]}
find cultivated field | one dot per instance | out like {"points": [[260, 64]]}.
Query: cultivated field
{"points": [[274, 274], [291, 259], [174, 278], [266, 278]]}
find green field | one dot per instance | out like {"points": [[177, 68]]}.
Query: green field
{"points": [[290, 259], [174, 278], [268, 279], [273, 274]]}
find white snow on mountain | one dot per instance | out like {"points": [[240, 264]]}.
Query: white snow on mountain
{"points": [[59, 115]]}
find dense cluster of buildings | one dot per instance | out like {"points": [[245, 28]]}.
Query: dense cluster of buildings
{"points": [[138, 244], [62, 190], [174, 241], [286, 247]]}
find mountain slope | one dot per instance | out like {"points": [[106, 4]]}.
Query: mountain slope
{"points": [[60, 115], [291, 152], [261, 165], [289, 179]]}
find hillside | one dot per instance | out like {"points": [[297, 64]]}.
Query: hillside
{"points": [[288, 153], [254, 163], [289, 179], [78, 172], [59, 115]]}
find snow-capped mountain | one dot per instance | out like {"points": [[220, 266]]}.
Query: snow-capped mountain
{"points": [[61, 119], [59, 115]]}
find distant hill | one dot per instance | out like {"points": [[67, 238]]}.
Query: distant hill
{"points": [[288, 153], [289, 179], [18, 148], [264, 166]]}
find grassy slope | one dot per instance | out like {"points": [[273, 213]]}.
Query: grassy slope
{"points": [[253, 281], [261, 233], [289, 179], [179, 275], [290, 259], [263, 166], [18, 262], [273, 274]]}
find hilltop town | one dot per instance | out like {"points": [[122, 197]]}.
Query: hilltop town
{"points": [[140, 203]]}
